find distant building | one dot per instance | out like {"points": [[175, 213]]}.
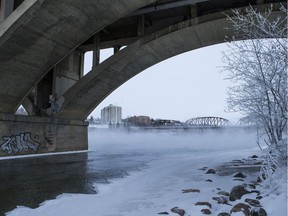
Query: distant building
{"points": [[165, 122], [138, 120], [111, 114]]}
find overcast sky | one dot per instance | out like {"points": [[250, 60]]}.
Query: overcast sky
{"points": [[185, 86]]}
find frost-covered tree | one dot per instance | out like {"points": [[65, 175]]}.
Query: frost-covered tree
{"points": [[258, 66]]}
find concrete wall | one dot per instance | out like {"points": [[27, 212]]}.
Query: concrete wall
{"points": [[29, 135]]}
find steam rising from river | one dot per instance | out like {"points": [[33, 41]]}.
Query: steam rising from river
{"points": [[163, 141]]}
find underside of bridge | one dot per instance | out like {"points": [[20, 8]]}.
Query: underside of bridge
{"points": [[42, 47]]}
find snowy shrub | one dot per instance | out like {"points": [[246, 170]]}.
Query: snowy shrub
{"points": [[274, 169]]}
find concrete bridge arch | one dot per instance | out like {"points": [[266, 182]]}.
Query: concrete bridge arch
{"points": [[81, 99]]}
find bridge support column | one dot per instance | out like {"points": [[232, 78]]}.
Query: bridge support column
{"points": [[96, 51], [6, 8], [21, 135], [58, 80], [65, 75]]}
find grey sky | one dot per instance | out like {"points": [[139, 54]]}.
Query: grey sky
{"points": [[182, 87]]}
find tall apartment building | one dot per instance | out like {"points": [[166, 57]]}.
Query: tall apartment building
{"points": [[111, 114]]}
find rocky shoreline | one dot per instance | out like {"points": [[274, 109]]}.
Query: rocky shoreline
{"points": [[245, 174]]}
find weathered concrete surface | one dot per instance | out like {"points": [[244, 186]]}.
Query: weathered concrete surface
{"points": [[192, 34], [39, 33], [29, 135]]}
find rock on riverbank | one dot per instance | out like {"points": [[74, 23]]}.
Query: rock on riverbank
{"points": [[244, 198]]}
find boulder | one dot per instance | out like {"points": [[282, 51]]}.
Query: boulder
{"points": [[210, 171], [258, 212], [237, 192], [259, 197], [163, 213], [239, 175], [223, 214], [241, 207], [206, 211], [191, 191], [178, 211], [224, 193], [252, 202], [238, 179], [204, 203], [221, 200]]}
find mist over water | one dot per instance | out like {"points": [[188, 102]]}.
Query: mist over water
{"points": [[165, 141]]}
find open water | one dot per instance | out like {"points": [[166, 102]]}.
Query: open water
{"points": [[112, 154]]}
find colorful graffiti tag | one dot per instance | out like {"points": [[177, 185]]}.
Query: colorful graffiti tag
{"points": [[18, 143]]}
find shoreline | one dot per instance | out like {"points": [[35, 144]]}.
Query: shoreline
{"points": [[192, 193], [244, 198]]}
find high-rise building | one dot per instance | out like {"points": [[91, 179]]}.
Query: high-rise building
{"points": [[111, 114]]}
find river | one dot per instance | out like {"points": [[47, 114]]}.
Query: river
{"points": [[112, 154]]}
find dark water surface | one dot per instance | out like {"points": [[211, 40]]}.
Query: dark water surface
{"points": [[31, 181]]}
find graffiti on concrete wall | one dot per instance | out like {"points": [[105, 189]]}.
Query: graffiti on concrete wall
{"points": [[22, 142]]}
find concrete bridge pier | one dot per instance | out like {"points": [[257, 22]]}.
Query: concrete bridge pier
{"points": [[21, 135], [41, 131], [65, 75]]}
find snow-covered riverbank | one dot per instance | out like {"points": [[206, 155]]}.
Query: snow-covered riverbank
{"points": [[174, 166]]}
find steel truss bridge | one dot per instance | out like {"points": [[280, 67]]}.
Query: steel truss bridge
{"points": [[207, 122]]}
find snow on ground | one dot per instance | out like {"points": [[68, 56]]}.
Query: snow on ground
{"points": [[158, 187]]}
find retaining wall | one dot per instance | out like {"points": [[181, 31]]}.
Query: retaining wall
{"points": [[21, 135]]}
